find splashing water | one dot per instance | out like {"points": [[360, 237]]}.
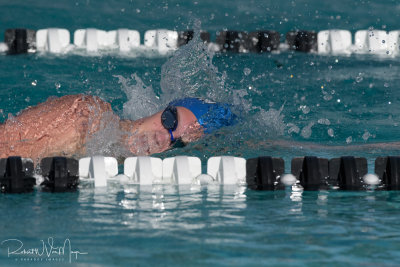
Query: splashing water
{"points": [[306, 131], [271, 121], [142, 101], [106, 140], [191, 73]]}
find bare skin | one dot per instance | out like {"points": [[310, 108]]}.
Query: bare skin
{"points": [[62, 126]]}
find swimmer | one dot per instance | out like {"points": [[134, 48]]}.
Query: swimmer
{"points": [[63, 126]]}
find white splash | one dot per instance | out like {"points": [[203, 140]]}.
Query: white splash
{"points": [[271, 121], [142, 101], [190, 73], [106, 140]]}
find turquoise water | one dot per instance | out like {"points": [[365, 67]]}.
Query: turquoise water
{"points": [[290, 104], [219, 227]]}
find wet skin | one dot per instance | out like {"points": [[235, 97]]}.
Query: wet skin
{"points": [[62, 126]]}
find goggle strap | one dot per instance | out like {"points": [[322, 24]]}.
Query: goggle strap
{"points": [[172, 136]]}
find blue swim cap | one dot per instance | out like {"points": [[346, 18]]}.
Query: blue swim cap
{"points": [[210, 115]]}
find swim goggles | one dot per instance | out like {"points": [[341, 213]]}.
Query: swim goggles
{"points": [[169, 120]]}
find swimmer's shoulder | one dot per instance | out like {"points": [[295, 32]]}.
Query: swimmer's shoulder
{"points": [[80, 101], [68, 103], [84, 98]]}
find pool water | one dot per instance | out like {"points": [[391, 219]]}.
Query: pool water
{"points": [[289, 104], [207, 226]]}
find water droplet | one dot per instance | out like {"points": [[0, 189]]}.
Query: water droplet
{"points": [[246, 71], [57, 85], [338, 100], [359, 78], [349, 140], [306, 131], [305, 109], [383, 41], [386, 85], [293, 128], [34, 82], [324, 121], [330, 132], [366, 135], [137, 10]]}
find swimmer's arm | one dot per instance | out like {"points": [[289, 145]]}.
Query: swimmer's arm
{"points": [[57, 127]]}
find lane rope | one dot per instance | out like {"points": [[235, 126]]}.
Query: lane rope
{"points": [[161, 41], [60, 174]]}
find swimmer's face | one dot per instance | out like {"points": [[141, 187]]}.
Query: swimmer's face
{"points": [[151, 137]]}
